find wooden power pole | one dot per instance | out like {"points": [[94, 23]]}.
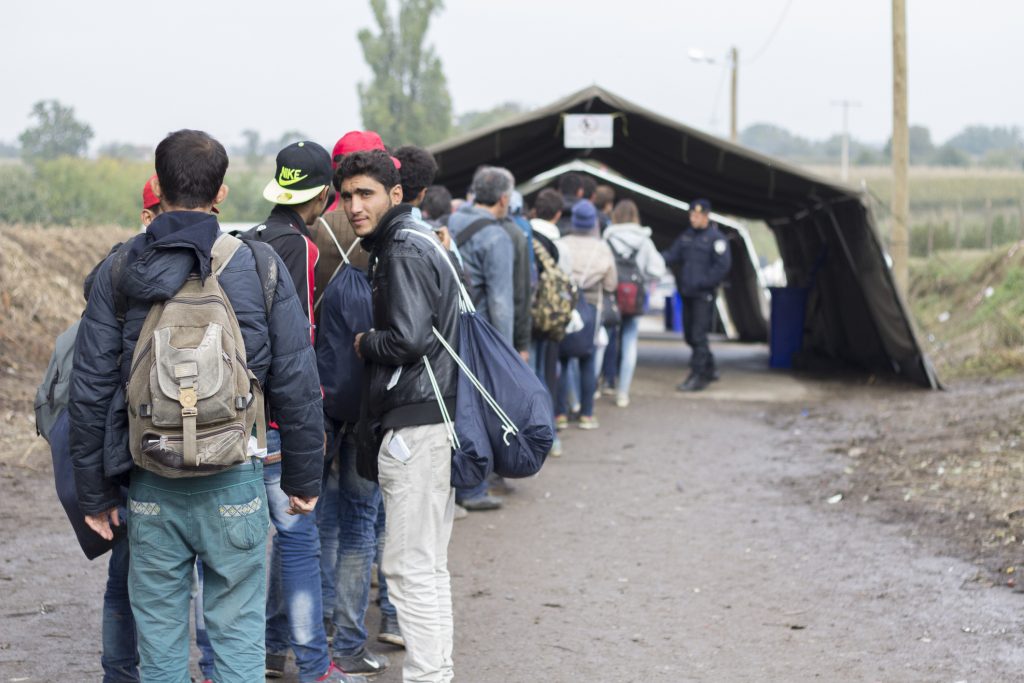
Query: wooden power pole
{"points": [[734, 57], [899, 242]]}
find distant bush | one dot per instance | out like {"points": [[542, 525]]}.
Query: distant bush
{"points": [[77, 192]]}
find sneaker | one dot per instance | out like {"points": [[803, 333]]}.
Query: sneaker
{"points": [[608, 391], [389, 632], [556, 448], [561, 422], [588, 422], [622, 401], [275, 665], [362, 662], [336, 675], [480, 503], [460, 512]]}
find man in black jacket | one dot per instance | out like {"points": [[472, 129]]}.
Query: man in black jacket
{"points": [[700, 261], [295, 614], [220, 518], [409, 376]]}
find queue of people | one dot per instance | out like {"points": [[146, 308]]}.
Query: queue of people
{"points": [[183, 321]]}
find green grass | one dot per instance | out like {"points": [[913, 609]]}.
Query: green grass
{"points": [[969, 307]]}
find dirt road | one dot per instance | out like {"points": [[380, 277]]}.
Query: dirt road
{"points": [[689, 539]]}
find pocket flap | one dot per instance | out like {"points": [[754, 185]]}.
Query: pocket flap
{"points": [[203, 365]]}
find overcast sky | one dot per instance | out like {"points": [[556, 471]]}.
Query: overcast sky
{"points": [[136, 70]]}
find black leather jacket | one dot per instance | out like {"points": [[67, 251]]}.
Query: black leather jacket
{"points": [[414, 291]]}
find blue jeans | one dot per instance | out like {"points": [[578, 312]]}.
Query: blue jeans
{"points": [[221, 518], [386, 608], [295, 616], [610, 363], [627, 366], [347, 513], [588, 383], [120, 658]]}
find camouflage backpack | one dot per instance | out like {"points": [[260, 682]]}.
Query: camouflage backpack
{"points": [[192, 401], [555, 298]]}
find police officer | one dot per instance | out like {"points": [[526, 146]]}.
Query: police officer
{"points": [[699, 259]]}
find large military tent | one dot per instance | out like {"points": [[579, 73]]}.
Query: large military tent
{"points": [[825, 230], [743, 293]]}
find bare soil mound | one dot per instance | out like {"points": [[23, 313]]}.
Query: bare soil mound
{"points": [[41, 274]]}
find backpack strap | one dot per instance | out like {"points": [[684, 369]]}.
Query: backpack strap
{"points": [[117, 266], [474, 228], [224, 249], [618, 253], [266, 268], [545, 258]]}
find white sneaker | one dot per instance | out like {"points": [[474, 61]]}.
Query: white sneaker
{"points": [[622, 400], [461, 512]]}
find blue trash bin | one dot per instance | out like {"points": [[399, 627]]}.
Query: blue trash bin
{"points": [[674, 313], [789, 305]]}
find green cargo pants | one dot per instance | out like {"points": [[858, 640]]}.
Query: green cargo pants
{"points": [[221, 519]]}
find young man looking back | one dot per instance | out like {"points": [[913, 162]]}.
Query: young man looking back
{"points": [[414, 291]]}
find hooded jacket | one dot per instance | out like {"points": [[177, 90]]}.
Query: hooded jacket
{"points": [[414, 291], [629, 238], [278, 351]]}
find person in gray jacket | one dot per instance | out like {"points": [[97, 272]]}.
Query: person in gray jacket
{"points": [[489, 255], [487, 251], [633, 248]]}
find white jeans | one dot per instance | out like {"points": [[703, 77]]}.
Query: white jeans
{"points": [[419, 503]]}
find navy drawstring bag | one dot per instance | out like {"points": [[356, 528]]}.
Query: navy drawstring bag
{"points": [[346, 308], [503, 415]]}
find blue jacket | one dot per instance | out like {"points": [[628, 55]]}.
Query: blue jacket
{"points": [[490, 259], [278, 351], [699, 260]]}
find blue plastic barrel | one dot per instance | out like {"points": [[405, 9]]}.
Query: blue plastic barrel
{"points": [[674, 313], [786, 338]]}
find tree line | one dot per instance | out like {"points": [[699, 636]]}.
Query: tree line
{"points": [[976, 145]]}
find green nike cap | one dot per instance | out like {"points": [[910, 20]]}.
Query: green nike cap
{"points": [[303, 171]]}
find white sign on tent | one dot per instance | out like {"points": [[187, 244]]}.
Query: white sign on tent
{"points": [[589, 131]]}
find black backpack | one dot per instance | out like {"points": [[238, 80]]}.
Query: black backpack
{"points": [[630, 295]]}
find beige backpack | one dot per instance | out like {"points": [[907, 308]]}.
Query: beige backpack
{"points": [[192, 401]]}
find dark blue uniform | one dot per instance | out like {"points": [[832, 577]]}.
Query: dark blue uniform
{"points": [[699, 260]]}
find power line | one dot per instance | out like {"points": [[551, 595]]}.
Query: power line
{"points": [[771, 36]]}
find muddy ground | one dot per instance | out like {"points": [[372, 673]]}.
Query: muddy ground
{"points": [[772, 529]]}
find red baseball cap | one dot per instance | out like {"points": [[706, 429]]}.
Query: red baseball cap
{"points": [[149, 198], [358, 141]]}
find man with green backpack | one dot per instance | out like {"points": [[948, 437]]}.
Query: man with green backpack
{"points": [[184, 333]]}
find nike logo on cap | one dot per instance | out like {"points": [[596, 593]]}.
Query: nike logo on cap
{"points": [[290, 176]]}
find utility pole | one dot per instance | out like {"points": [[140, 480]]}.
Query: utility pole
{"points": [[899, 242], [844, 172], [734, 58]]}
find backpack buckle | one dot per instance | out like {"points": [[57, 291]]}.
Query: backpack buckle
{"points": [[188, 399]]}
